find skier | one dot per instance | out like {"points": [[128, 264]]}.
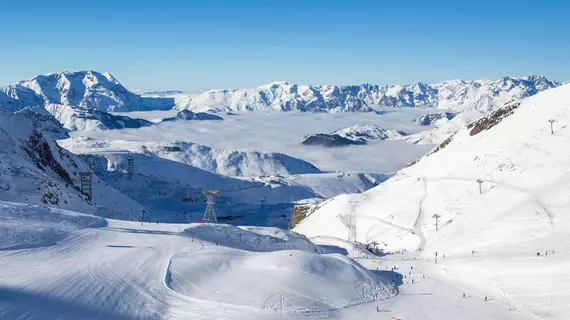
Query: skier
{"points": [[377, 309], [464, 295], [538, 254], [216, 242], [485, 298], [546, 253]]}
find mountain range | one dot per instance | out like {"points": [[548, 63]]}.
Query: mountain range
{"points": [[454, 95], [92, 90]]}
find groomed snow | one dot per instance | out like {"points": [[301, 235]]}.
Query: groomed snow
{"points": [[30, 226]]}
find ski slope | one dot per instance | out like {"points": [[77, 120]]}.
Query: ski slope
{"points": [[496, 238], [128, 270]]}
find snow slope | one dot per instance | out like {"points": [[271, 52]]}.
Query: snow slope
{"points": [[131, 271], [31, 226], [521, 209], [226, 162], [455, 95], [35, 169], [444, 129]]}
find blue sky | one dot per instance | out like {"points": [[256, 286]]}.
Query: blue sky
{"points": [[217, 44]]}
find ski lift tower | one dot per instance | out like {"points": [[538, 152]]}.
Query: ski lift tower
{"points": [[210, 213]]}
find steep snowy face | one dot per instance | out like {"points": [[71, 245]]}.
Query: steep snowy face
{"points": [[455, 95], [498, 187], [357, 134], [34, 169], [85, 89], [221, 161]]}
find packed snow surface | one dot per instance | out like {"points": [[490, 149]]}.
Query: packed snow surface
{"points": [[128, 270], [30, 226]]}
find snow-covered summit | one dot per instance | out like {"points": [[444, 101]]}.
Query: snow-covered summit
{"points": [[86, 89]]}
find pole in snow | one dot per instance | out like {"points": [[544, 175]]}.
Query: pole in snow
{"points": [[436, 217], [480, 182], [551, 126]]}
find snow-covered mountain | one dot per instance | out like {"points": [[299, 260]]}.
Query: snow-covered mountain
{"points": [[278, 96], [434, 118], [101, 91], [35, 169], [221, 161], [85, 89], [455, 95], [492, 200], [357, 134], [189, 115]]}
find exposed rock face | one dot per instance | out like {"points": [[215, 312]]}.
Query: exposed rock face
{"points": [[300, 212], [492, 119]]}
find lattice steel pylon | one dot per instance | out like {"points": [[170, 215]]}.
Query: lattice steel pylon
{"points": [[86, 186], [210, 213]]}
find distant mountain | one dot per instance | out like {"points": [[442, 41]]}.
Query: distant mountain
{"points": [[162, 93], [357, 134], [189, 115], [431, 118], [456, 95], [278, 96], [101, 91], [85, 89]]}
